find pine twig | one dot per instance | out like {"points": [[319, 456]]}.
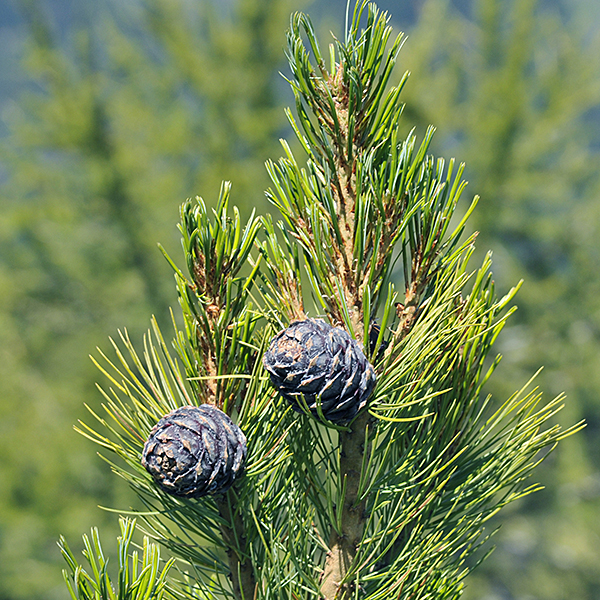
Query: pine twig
{"points": [[343, 545], [242, 573]]}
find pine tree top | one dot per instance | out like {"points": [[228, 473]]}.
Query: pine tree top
{"points": [[393, 503]]}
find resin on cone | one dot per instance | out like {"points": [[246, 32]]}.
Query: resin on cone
{"points": [[321, 364], [195, 451]]}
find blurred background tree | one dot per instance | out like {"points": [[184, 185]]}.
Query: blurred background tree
{"points": [[112, 113], [127, 109]]}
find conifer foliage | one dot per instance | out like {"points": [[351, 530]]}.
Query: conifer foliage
{"points": [[389, 500]]}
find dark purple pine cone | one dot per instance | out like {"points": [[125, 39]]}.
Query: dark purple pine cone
{"points": [[322, 363], [195, 451]]}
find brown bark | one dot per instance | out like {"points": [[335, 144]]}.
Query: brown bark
{"points": [[344, 544]]}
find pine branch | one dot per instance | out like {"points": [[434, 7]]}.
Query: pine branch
{"points": [[219, 322], [340, 99], [344, 541], [362, 193], [217, 354], [233, 531]]}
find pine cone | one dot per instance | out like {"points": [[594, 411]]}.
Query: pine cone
{"points": [[322, 363], [195, 451]]}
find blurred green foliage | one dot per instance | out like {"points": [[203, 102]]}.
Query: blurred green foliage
{"points": [[137, 105], [133, 108]]}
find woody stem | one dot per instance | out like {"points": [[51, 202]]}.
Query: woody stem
{"points": [[240, 566], [343, 544]]}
